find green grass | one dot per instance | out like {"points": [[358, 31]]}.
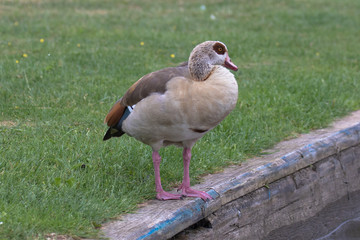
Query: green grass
{"points": [[299, 70]]}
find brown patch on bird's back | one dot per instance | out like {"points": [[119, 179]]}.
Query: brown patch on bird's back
{"points": [[154, 82], [115, 114]]}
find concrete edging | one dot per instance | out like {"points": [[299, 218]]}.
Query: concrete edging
{"points": [[251, 180]]}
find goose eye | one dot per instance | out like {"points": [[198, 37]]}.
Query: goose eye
{"points": [[219, 48]]}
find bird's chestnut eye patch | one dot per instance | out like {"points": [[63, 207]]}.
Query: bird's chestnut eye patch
{"points": [[219, 48]]}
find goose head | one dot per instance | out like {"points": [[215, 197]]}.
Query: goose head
{"points": [[205, 56]]}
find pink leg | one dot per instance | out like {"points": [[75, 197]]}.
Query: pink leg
{"points": [[185, 186], [161, 194]]}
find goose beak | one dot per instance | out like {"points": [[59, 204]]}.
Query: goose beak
{"points": [[228, 64]]}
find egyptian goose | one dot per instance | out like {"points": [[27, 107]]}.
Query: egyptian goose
{"points": [[177, 106]]}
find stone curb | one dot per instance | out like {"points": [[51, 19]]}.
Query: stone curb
{"points": [[249, 181], [163, 220]]}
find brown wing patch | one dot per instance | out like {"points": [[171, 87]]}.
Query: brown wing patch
{"points": [[115, 113], [154, 82]]}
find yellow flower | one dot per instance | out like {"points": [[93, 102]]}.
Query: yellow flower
{"points": [[317, 54], [25, 55], [142, 43], [17, 61], [16, 23], [78, 45], [9, 44], [42, 40], [172, 55]]}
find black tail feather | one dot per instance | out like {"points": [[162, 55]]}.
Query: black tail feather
{"points": [[116, 131], [107, 135], [112, 132]]}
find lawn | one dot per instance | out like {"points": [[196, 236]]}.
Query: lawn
{"points": [[64, 63]]}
